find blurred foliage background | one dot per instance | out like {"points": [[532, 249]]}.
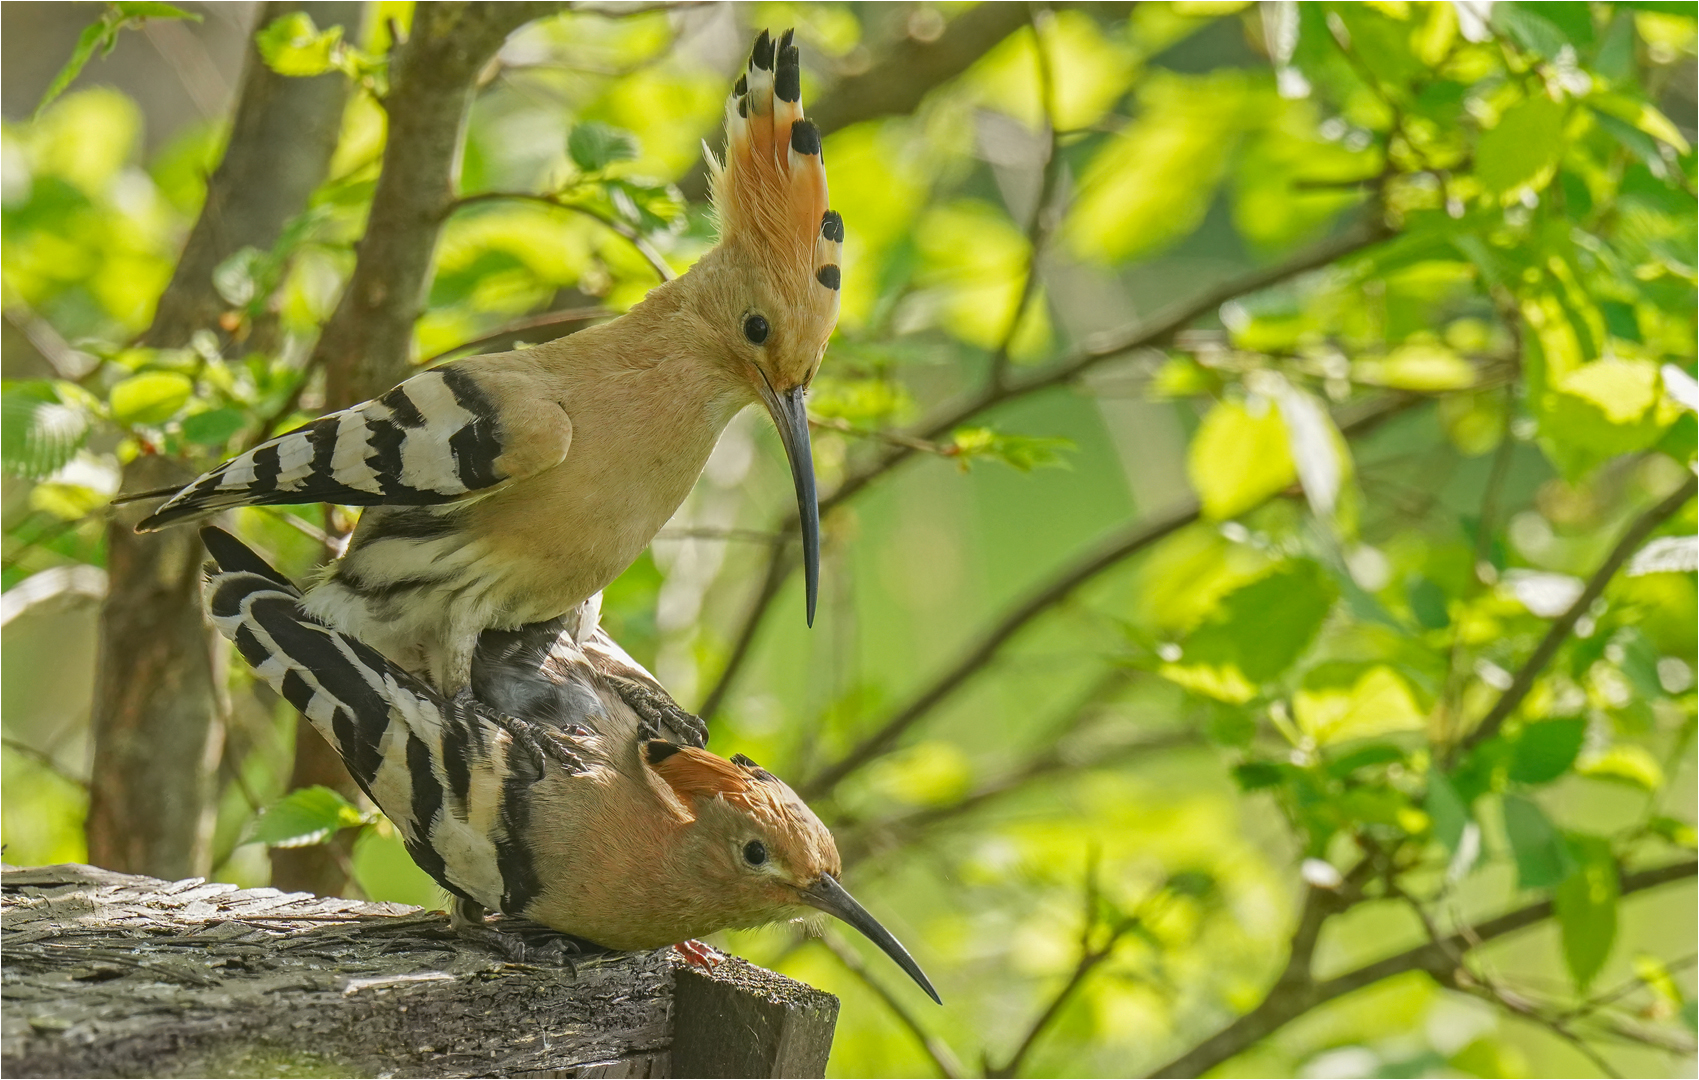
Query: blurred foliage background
{"points": [[1258, 448]]}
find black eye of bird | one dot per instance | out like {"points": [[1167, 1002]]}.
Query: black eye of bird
{"points": [[755, 852], [755, 329]]}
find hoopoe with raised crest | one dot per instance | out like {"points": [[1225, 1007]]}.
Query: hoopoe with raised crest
{"points": [[590, 818], [509, 489]]}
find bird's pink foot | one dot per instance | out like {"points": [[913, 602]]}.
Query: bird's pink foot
{"points": [[699, 955]]}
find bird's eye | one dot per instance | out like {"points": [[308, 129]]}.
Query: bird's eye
{"points": [[755, 329], [755, 853]]}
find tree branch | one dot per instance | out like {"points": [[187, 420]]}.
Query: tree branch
{"points": [[620, 228], [947, 418], [1140, 535], [1641, 528], [1294, 999]]}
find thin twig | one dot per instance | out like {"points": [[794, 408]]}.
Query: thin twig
{"points": [[1289, 999], [943, 1058], [519, 326], [1091, 956], [42, 758], [635, 238], [1636, 534], [1098, 350], [891, 438]]}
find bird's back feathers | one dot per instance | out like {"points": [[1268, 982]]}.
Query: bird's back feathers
{"points": [[451, 775], [433, 439]]}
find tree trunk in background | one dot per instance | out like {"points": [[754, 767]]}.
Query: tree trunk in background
{"points": [[366, 347], [155, 718]]}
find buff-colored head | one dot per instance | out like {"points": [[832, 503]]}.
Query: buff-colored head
{"points": [[773, 282], [758, 849]]}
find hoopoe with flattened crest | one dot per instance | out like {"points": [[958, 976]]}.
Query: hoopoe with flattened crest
{"points": [[586, 819], [509, 489]]}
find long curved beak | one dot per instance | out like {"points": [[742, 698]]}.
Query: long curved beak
{"points": [[832, 898], [790, 416]]}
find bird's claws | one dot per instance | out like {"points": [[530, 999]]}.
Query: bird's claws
{"points": [[699, 955], [659, 712]]}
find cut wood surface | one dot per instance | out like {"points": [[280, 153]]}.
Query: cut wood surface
{"points": [[109, 974]]}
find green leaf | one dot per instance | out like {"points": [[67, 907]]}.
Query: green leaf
{"points": [[594, 146], [1428, 603], [1423, 367], [1239, 458], [293, 44], [1523, 150], [152, 397], [1626, 763], [1255, 633], [1532, 32], [1586, 908], [39, 434], [1542, 858], [1545, 751], [1022, 452], [1343, 700], [89, 40], [104, 35], [1642, 116], [1257, 775], [304, 817], [213, 427], [151, 9], [1447, 810]]}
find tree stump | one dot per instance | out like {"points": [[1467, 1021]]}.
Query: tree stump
{"points": [[109, 974]]}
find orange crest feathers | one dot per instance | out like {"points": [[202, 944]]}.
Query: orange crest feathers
{"points": [[771, 191]]}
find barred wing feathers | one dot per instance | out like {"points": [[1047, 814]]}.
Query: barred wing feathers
{"points": [[450, 775], [440, 436]]}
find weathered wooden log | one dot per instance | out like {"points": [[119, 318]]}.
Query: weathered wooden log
{"points": [[108, 974]]}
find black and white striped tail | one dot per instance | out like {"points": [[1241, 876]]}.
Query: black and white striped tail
{"points": [[451, 775], [433, 439]]}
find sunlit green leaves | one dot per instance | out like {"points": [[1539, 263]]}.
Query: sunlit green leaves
{"points": [[306, 816], [1339, 701], [1255, 633], [1523, 149], [1151, 183], [292, 44], [1240, 457], [1022, 452], [152, 397]]}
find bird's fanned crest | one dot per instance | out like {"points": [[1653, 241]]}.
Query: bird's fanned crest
{"points": [[770, 193]]}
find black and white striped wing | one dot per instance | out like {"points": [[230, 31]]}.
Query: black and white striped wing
{"points": [[453, 777], [433, 439]]}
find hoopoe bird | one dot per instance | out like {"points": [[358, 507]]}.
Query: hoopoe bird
{"points": [[508, 489], [591, 820]]}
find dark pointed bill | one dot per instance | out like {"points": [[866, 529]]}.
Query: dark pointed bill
{"points": [[830, 897], [790, 415]]}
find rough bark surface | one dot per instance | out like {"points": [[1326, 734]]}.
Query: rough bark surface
{"points": [[112, 975], [155, 716]]}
